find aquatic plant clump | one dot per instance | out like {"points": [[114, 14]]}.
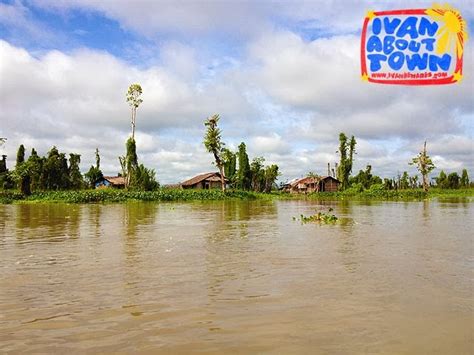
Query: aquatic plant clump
{"points": [[320, 217]]}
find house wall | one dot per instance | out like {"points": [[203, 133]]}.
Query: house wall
{"points": [[203, 185], [102, 184], [214, 185], [330, 185]]}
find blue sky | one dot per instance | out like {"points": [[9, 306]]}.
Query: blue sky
{"points": [[284, 76]]}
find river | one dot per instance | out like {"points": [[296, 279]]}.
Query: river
{"points": [[237, 277]]}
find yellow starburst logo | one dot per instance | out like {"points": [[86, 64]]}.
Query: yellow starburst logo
{"points": [[452, 32]]}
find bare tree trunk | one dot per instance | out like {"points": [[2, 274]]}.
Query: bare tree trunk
{"points": [[425, 176], [134, 112], [221, 169]]}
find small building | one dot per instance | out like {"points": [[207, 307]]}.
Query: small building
{"points": [[329, 184], [204, 181], [312, 184], [117, 182]]}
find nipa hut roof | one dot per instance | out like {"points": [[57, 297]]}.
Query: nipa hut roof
{"points": [[115, 180], [198, 178]]}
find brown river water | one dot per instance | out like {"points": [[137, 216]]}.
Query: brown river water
{"points": [[237, 277]]}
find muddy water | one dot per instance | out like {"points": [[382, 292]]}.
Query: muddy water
{"points": [[237, 277]]}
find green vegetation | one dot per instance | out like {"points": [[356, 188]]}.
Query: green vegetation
{"points": [[230, 164], [214, 144], [365, 178], [424, 165], [55, 178], [115, 195], [253, 176], [94, 174], [320, 217], [133, 98], [346, 151], [244, 175], [377, 192]]}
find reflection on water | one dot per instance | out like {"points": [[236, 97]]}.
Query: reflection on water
{"points": [[237, 276], [47, 221]]}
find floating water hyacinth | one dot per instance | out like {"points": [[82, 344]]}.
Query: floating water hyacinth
{"points": [[320, 217]]}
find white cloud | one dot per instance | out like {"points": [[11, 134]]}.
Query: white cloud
{"points": [[270, 144], [239, 18], [286, 97]]}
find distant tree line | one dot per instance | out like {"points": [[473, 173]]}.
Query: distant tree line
{"points": [[54, 171], [365, 179], [453, 180]]}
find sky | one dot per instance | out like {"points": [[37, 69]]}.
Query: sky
{"points": [[283, 76]]}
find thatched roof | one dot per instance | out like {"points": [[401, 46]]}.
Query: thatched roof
{"points": [[115, 180], [198, 178], [309, 180]]}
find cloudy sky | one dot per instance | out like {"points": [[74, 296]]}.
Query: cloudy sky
{"points": [[284, 77]]}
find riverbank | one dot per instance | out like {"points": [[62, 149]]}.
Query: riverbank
{"points": [[405, 195], [114, 196]]}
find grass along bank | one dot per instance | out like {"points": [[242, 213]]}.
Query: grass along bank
{"points": [[112, 195], [379, 193]]}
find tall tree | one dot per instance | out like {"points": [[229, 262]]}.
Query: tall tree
{"points": [[464, 182], [20, 155], [230, 163], [442, 180], [424, 165], [75, 177], [133, 98], [344, 168], [21, 175], [131, 160], [405, 181], [214, 145], [257, 173], [352, 151], [366, 179], [55, 173], [453, 180], [97, 158], [36, 169], [244, 175], [22, 172], [94, 174], [271, 175], [144, 179], [414, 181]]}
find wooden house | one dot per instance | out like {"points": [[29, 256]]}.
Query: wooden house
{"points": [[204, 181], [312, 184], [329, 184], [117, 182]]}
